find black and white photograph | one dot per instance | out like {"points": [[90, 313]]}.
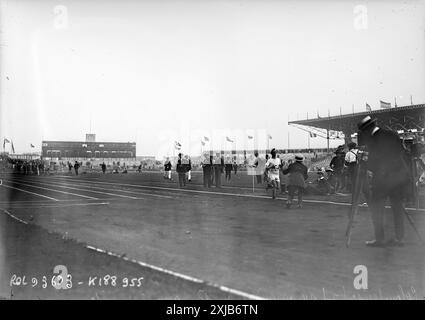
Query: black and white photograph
{"points": [[212, 150]]}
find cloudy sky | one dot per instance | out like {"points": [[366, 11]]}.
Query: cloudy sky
{"points": [[159, 71]]}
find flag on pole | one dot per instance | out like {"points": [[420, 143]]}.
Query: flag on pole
{"points": [[4, 142], [250, 137], [368, 108], [13, 148], [206, 139], [270, 137], [177, 145], [313, 135], [203, 143], [32, 146], [385, 105], [228, 139]]}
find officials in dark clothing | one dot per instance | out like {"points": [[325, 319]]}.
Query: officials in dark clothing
{"points": [[228, 166], [337, 165], [167, 169], [296, 182], [181, 171], [235, 166], [207, 164], [218, 164], [103, 167], [76, 166], [390, 178], [187, 164]]}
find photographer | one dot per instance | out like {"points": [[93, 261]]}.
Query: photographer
{"points": [[390, 177]]}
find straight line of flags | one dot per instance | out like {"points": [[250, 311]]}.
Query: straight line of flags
{"points": [[177, 145]]}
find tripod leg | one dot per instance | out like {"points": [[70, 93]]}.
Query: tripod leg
{"points": [[412, 223], [358, 186]]}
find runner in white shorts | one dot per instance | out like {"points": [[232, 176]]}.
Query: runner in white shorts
{"points": [[272, 167]]}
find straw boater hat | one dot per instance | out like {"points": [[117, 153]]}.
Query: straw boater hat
{"points": [[299, 157], [366, 122]]}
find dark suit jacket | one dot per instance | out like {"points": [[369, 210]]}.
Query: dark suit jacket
{"points": [[297, 174], [387, 160]]}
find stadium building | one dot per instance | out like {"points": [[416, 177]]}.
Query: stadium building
{"points": [[405, 120], [89, 150]]}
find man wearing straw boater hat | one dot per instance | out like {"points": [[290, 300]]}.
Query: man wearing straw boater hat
{"points": [[296, 181], [390, 176]]}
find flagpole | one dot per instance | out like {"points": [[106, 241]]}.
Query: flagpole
{"points": [[327, 135], [288, 141], [309, 141], [288, 133], [268, 143]]}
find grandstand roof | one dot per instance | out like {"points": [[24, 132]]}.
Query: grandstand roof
{"points": [[398, 118]]}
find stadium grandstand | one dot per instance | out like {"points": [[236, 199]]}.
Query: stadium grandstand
{"points": [[404, 119], [408, 121]]}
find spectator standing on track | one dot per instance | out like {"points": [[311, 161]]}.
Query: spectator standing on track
{"points": [[167, 169], [337, 165], [296, 182], [103, 167], [207, 170], [235, 165], [282, 177], [187, 164], [260, 166], [181, 171], [228, 166], [76, 166], [218, 169], [350, 164]]}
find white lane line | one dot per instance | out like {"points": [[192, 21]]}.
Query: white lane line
{"points": [[180, 190], [37, 194], [179, 275], [162, 183], [54, 190], [47, 202], [345, 204], [210, 192], [59, 206], [93, 191], [13, 217], [100, 188]]}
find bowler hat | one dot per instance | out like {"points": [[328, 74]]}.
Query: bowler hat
{"points": [[299, 157], [366, 123]]}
